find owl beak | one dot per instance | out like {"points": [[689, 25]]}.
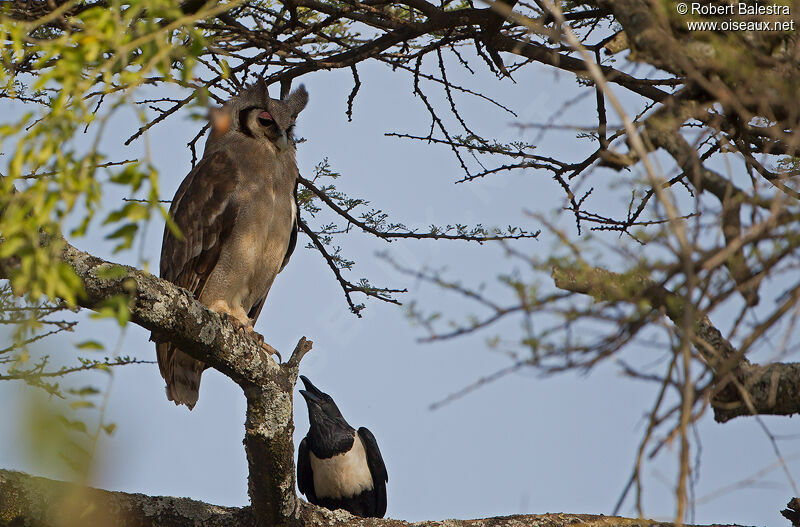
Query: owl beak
{"points": [[283, 141]]}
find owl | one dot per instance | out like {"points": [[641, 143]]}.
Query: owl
{"points": [[237, 216]]}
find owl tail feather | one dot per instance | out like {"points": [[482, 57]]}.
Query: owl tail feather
{"points": [[183, 379]]}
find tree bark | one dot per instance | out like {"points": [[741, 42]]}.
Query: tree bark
{"points": [[32, 501], [269, 429]]}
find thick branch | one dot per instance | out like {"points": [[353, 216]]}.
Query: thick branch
{"points": [[269, 429], [545, 55], [173, 314], [445, 20], [27, 500], [772, 389]]}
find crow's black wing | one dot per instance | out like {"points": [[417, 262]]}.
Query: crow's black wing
{"points": [[377, 469], [305, 478]]}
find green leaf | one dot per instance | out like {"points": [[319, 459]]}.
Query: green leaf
{"points": [[131, 175], [111, 272], [90, 345], [79, 426], [85, 391], [133, 211], [12, 246], [80, 230], [126, 233], [116, 307], [226, 68]]}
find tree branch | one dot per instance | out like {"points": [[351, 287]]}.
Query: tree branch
{"points": [[742, 388], [28, 500], [388, 234], [545, 55], [172, 314]]}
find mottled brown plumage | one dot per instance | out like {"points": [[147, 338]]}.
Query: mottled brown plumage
{"points": [[237, 215]]}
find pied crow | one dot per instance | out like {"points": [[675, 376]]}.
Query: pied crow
{"points": [[337, 466]]}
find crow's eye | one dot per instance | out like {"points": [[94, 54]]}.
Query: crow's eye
{"points": [[266, 122]]}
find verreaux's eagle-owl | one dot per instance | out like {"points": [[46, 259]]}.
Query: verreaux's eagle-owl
{"points": [[237, 216]]}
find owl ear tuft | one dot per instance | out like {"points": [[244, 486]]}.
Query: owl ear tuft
{"points": [[297, 100]]}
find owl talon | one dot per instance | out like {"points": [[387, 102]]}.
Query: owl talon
{"points": [[273, 351], [240, 327], [269, 349], [266, 347]]}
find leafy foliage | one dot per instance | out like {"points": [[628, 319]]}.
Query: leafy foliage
{"points": [[69, 64]]}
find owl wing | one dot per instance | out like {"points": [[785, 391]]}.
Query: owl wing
{"points": [[295, 228], [205, 214]]}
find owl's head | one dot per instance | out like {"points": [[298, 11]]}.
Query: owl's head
{"points": [[256, 115]]}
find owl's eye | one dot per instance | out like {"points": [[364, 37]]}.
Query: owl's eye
{"points": [[265, 119]]}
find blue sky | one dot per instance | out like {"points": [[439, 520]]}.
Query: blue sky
{"points": [[523, 444]]}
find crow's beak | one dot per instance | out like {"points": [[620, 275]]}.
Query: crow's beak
{"points": [[313, 390], [310, 398]]}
